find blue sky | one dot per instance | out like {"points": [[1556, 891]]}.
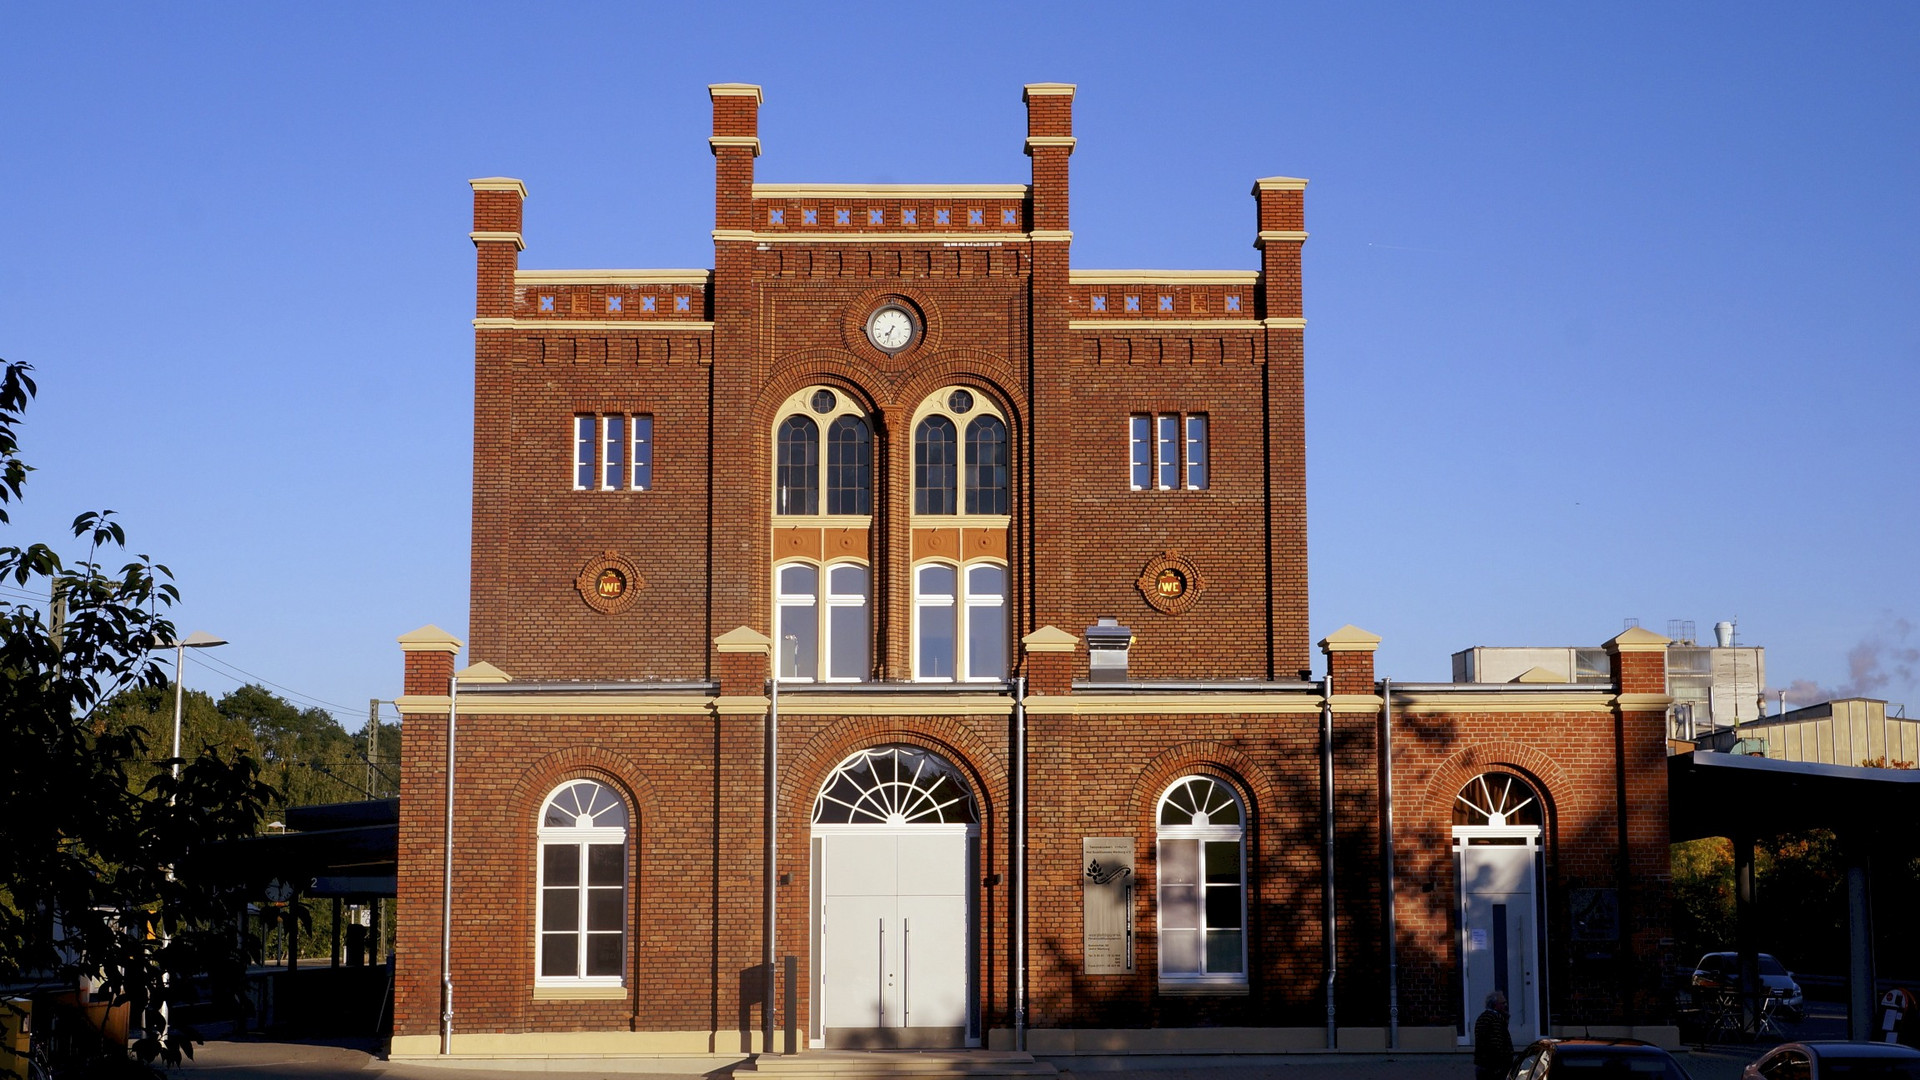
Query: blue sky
{"points": [[1613, 309]]}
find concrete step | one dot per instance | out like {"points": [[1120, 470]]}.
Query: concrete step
{"points": [[919, 1064]]}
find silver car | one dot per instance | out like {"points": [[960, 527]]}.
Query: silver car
{"points": [[1719, 973]]}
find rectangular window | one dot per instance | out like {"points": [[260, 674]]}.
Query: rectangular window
{"points": [[1167, 449], [937, 623], [1196, 453], [643, 453], [613, 462], [1140, 452], [582, 452]]}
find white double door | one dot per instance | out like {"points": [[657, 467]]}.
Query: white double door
{"points": [[1500, 928], [892, 915]]}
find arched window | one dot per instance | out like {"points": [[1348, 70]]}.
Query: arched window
{"points": [[822, 636], [808, 463], [960, 622], [952, 474], [1499, 800], [895, 785], [582, 886], [1202, 873]]}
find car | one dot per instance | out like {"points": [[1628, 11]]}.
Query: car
{"points": [[1719, 973], [1595, 1059], [1836, 1060]]}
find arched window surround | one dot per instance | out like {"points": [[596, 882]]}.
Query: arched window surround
{"points": [[825, 456], [582, 882], [1201, 885], [970, 483]]}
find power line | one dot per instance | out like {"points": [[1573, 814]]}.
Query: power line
{"points": [[336, 711]]}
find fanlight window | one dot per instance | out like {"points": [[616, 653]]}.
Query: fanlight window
{"points": [[1202, 885], [1502, 800], [583, 886], [1200, 801], [585, 804], [895, 785]]}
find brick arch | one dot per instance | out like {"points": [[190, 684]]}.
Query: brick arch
{"points": [[966, 366], [1206, 758], [807, 769], [538, 780], [1532, 765], [827, 367]]}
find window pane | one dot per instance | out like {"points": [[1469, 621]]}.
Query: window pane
{"points": [[643, 453], [1139, 453], [796, 468], [1223, 907], [798, 579], [799, 631], [849, 467], [935, 464], [847, 579], [1179, 951], [603, 953], [1223, 862], [1197, 452], [847, 641], [560, 909], [986, 640], [1223, 952], [606, 908], [937, 581], [1179, 906], [989, 582], [1179, 862], [1168, 451], [987, 466], [607, 864], [614, 469], [936, 641], [583, 451], [560, 954], [562, 864]]}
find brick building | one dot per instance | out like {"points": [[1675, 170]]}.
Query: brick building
{"points": [[890, 507]]}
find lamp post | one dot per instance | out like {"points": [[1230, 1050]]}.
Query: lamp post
{"points": [[199, 639]]}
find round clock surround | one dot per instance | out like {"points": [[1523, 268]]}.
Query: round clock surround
{"points": [[892, 328]]}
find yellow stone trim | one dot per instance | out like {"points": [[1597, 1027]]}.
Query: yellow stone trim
{"points": [[1047, 89], [565, 1046], [428, 638], [742, 639], [946, 238], [579, 993], [1637, 639], [890, 191], [702, 325], [422, 704], [1049, 639], [1279, 183], [830, 704], [498, 183], [715, 142], [482, 672], [1163, 277], [732, 234], [1284, 324], [736, 89], [693, 276], [478, 238], [1067, 141], [741, 705], [1350, 638], [1133, 325], [1092, 703], [1061, 235], [1643, 702], [1288, 236], [1493, 701], [585, 704], [1356, 703]]}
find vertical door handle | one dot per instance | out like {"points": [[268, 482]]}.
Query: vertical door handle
{"points": [[883, 971], [906, 972]]}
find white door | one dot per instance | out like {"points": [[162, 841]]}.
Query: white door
{"points": [[1500, 941], [893, 937]]}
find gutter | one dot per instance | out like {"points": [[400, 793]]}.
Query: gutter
{"points": [[446, 883], [1326, 824]]}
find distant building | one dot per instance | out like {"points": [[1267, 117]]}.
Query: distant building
{"points": [[1714, 687], [1846, 731]]}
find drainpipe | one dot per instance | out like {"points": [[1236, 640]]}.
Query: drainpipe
{"points": [[768, 871], [446, 885], [1326, 825], [1386, 806], [1020, 863]]}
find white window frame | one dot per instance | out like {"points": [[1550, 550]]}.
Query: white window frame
{"points": [[1169, 451], [962, 603], [640, 452], [1166, 451], [935, 404], [613, 442], [845, 404], [822, 601], [1198, 460], [582, 837], [1140, 452], [585, 458], [1200, 981]]}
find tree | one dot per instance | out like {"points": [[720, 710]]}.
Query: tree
{"points": [[88, 881]]}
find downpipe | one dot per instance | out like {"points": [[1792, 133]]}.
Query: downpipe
{"points": [[1326, 825], [1020, 863], [771, 866], [1387, 895], [446, 882]]}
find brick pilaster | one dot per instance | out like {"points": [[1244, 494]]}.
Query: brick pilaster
{"points": [[430, 653], [1349, 652], [1280, 232], [1050, 661], [1639, 662], [1048, 520], [498, 202]]}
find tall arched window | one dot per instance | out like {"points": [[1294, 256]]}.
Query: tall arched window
{"points": [[582, 905], [986, 471], [935, 460], [1202, 873], [823, 443], [959, 455]]}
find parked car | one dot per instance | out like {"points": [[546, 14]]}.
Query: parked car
{"points": [[1595, 1059], [1719, 972], [1836, 1061]]}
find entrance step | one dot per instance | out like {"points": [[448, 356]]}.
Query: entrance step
{"points": [[918, 1064]]}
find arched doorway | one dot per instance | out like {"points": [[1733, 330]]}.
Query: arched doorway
{"points": [[1498, 862], [896, 839]]}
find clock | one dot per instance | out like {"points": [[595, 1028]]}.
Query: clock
{"points": [[279, 891], [891, 328]]}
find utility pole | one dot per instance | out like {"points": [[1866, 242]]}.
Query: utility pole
{"points": [[373, 740]]}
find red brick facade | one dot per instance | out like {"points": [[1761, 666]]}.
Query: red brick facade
{"points": [[656, 687]]}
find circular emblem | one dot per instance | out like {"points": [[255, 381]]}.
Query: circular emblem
{"points": [[890, 328], [1170, 584], [609, 583]]}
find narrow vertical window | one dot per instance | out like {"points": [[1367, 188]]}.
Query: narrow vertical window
{"points": [[1140, 451], [797, 467], [1196, 453], [935, 461], [643, 453], [582, 452], [613, 453], [936, 629], [986, 466], [796, 599], [847, 635], [849, 466], [582, 887], [1167, 450], [986, 622], [1202, 887]]}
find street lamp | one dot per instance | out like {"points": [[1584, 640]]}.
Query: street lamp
{"points": [[199, 639]]}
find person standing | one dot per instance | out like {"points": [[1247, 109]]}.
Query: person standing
{"points": [[1492, 1046]]}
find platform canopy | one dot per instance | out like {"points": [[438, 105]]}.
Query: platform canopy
{"points": [[1714, 794]]}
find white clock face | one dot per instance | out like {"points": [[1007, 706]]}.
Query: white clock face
{"points": [[890, 329]]}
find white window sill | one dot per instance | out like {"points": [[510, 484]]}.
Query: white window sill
{"points": [[579, 992]]}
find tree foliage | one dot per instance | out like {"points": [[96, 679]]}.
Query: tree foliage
{"points": [[88, 888]]}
